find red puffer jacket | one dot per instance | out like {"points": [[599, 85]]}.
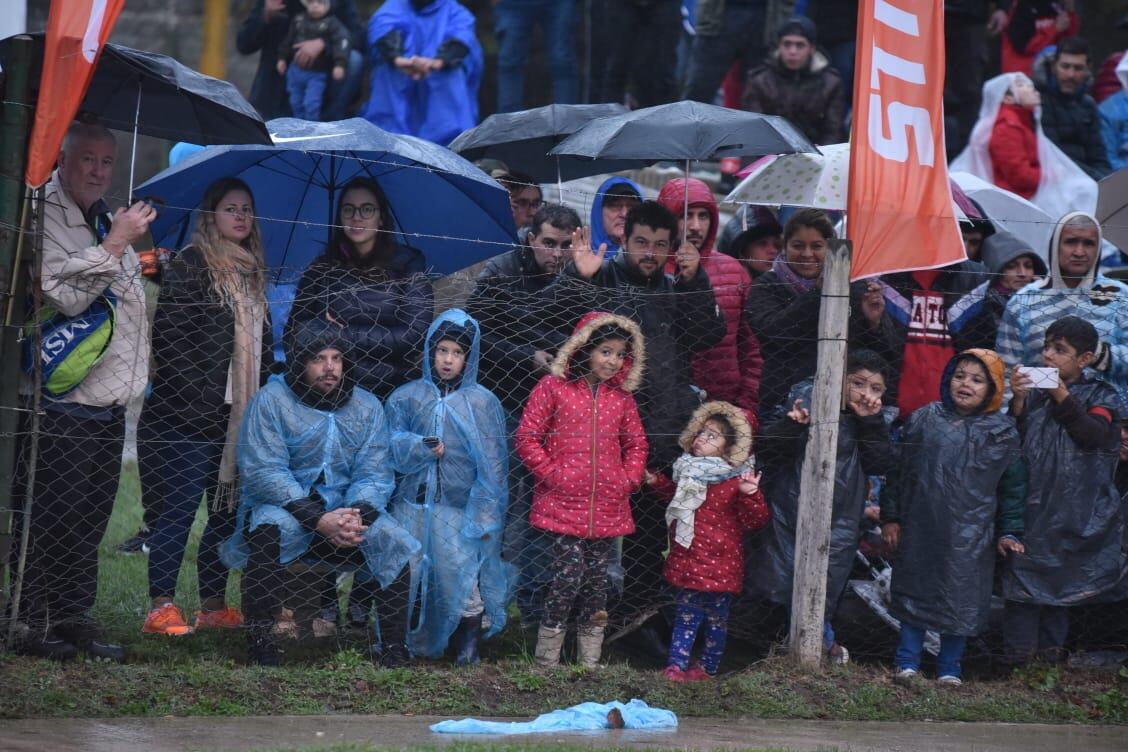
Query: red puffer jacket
{"points": [[714, 561], [586, 449], [730, 371], [1014, 151]]}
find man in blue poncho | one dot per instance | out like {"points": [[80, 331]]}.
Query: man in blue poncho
{"points": [[316, 477], [614, 199], [426, 67], [449, 447]]}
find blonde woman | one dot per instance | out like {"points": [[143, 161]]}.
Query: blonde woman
{"points": [[211, 350]]}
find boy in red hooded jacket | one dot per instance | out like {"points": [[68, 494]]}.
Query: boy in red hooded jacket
{"points": [[583, 441]]}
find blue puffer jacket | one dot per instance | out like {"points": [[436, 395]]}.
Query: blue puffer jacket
{"points": [[384, 314]]}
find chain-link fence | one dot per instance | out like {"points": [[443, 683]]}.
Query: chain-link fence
{"points": [[506, 450]]}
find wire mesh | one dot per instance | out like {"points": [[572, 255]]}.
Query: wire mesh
{"points": [[229, 420]]}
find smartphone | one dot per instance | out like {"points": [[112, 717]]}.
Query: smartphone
{"points": [[431, 441], [1041, 378]]}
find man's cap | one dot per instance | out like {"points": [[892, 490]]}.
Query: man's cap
{"points": [[798, 26]]}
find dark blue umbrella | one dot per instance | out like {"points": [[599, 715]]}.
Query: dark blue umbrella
{"points": [[440, 203]]}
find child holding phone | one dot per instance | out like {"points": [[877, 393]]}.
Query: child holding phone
{"points": [[450, 456], [1074, 516]]}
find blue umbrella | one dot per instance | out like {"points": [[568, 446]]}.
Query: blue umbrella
{"points": [[440, 203]]}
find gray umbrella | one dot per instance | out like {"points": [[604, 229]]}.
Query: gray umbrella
{"points": [[1112, 208], [523, 139], [683, 131]]}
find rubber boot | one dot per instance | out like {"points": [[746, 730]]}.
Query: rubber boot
{"points": [[589, 644], [466, 641], [549, 642]]}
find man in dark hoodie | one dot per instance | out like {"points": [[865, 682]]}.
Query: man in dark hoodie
{"points": [[754, 237], [316, 478], [798, 83], [1070, 117]]}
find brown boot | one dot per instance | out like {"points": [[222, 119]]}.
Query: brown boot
{"points": [[589, 644]]}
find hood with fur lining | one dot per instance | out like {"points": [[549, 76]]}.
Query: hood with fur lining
{"points": [[736, 417], [629, 378]]}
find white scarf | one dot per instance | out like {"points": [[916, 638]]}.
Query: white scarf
{"points": [[693, 476]]}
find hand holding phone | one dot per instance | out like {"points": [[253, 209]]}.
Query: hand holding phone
{"points": [[1041, 378]]}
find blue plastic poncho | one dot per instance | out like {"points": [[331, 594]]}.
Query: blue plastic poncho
{"points": [[587, 716], [598, 234], [455, 506], [445, 103], [287, 449]]}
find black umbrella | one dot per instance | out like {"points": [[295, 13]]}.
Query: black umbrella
{"points": [[177, 103], [683, 131], [523, 139], [145, 92]]}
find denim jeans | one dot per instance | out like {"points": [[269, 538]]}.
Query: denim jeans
{"points": [[177, 467], [307, 91], [911, 646], [340, 95], [513, 22], [710, 57]]}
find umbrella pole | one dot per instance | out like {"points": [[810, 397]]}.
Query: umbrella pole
{"points": [[559, 183], [685, 207], [133, 155]]}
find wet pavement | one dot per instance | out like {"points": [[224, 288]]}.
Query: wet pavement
{"points": [[288, 732]]}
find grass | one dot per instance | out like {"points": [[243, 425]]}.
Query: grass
{"points": [[206, 675]]}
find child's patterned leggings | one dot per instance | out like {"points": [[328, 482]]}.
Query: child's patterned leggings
{"points": [[693, 608], [579, 580]]}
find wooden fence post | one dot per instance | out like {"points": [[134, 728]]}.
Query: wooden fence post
{"points": [[816, 487]]}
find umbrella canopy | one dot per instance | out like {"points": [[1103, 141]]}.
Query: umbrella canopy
{"points": [[176, 102], [817, 180], [1008, 211], [683, 131], [440, 203], [523, 139], [1112, 208]]}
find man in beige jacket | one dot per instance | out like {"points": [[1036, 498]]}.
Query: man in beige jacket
{"points": [[86, 251]]}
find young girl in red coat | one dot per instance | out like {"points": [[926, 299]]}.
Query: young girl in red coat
{"points": [[583, 441], [717, 499]]}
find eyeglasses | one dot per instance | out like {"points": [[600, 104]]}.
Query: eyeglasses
{"points": [[526, 203], [366, 211]]}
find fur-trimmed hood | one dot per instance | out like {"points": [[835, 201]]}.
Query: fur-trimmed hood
{"points": [[630, 377], [736, 417]]}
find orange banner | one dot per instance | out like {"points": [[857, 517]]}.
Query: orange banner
{"points": [[900, 214], [76, 31]]}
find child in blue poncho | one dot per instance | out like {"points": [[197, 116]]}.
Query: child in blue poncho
{"points": [[450, 455]]}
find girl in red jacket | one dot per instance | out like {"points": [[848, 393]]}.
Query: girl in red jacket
{"points": [[717, 499], [583, 441]]}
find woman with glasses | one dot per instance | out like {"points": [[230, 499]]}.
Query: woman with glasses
{"points": [[378, 292], [211, 352]]}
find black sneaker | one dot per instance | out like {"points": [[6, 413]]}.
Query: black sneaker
{"points": [[86, 635], [137, 544], [49, 646], [263, 651], [396, 655]]}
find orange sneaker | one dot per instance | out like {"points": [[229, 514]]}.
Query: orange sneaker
{"points": [[168, 620], [227, 617]]}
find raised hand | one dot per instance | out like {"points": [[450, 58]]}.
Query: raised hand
{"points": [[586, 261], [688, 259], [750, 482], [129, 225], [799, 414]]}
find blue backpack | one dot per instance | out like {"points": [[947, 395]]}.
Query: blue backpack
{"points": [[70, 346]]}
